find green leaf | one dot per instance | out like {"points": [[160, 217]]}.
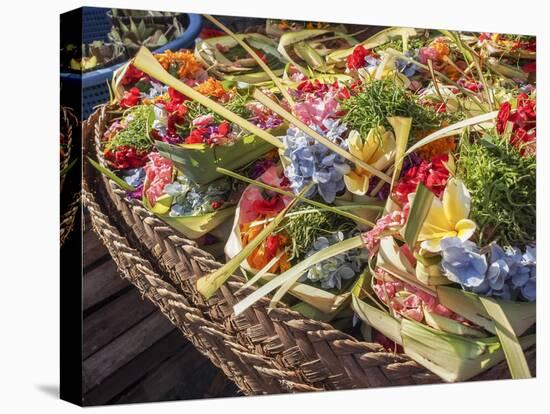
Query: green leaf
{"points": [[420, 207], [401, 129], [68, 167], [521, 315], [291, 276], [375, 40], [255, 56], [379, 320], [452, 357], [111, 175], [453, 129], [310, 56], [450, 325], [191, 158], [509, 341], [194, 227]]}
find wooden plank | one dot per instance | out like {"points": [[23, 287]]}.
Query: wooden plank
{"points": [[183, 376], [124, 349], [101, 283], [93, 248], [110, 321], [137, 368]]}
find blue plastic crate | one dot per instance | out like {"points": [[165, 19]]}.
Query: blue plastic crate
{"points": [[97, 24], [94, 84]]}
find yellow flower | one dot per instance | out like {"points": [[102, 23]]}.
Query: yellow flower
{"points": [[377, 150], [448, 217]]}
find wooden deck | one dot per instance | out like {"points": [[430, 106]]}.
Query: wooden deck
{"points": [[131, 352]]}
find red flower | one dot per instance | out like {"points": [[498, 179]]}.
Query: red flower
{"points": [[269, 207], [272, 244], [433, 175], [357, 59], [126, 157], [131, 98], [523, 120], [223, 129], [530, 67], [196, 136], [207, 33], [132, 75], [503, 116], [176, 97]]}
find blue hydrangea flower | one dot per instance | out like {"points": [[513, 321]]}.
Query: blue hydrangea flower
{"points": [[462, 263], [509, 275], [331, 272], [191, 200], [312, 161], [134, 176], [407, 68], [529, 261]]}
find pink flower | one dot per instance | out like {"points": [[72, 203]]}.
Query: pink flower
{"points": [[314, 110], [407, 300], [389, 222], [203, 120], [257, 203], [158, 173]]}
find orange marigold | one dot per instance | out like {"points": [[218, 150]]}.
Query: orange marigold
{"points": [[441, 46], [213, 87], [438, 147], [188, 65]]}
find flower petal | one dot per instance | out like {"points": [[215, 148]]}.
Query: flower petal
{"points": [[356, 183], [432, 245], [465, 229], [456, 201]]}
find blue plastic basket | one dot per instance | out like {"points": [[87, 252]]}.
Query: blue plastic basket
{"points": [[94, 84]]}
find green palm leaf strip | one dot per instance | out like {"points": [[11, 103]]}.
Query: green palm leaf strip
{"points": [[402, 129], [269, 103], [336, 210], [209, 284], [453, 129], [68, 167], [508, 339], [419, 211], [290, 277], [111, 175], [254, 55], [261, 273]]}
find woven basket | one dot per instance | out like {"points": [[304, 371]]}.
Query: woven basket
{"points": [[70, 199], [262, 353]]}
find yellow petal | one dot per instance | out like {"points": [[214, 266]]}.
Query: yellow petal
{"points": [[436, 222], [465, 229], [386, 144], [432, 245], [356, 183], [456, 201], [371, 144], [355, 144]]}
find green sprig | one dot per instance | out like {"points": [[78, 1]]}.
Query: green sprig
{"points": [[502, 184], [381, 99]]}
